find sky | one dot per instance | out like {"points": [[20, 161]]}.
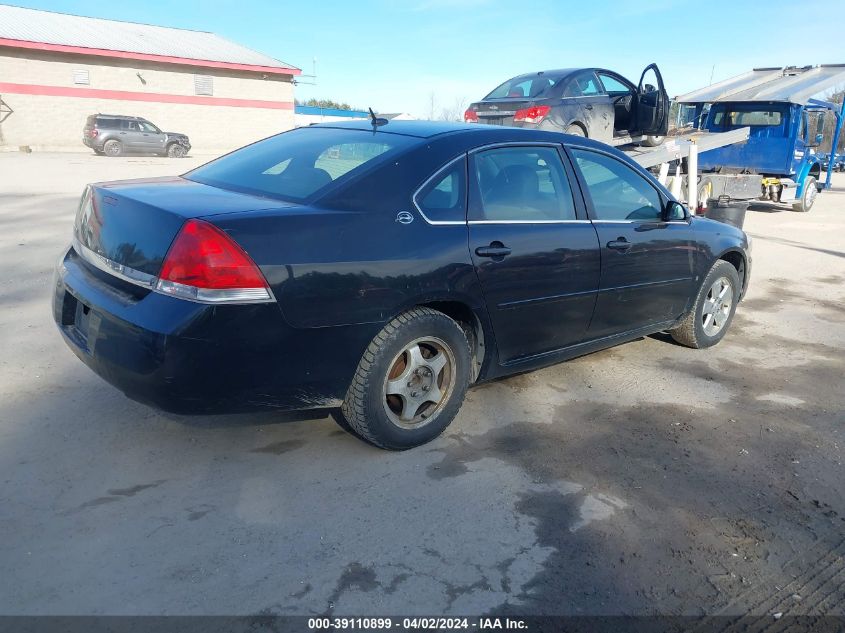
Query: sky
{"points": [[397, 56]]}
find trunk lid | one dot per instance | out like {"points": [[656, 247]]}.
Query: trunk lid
{"points": [[500, 111], [132, 223]]}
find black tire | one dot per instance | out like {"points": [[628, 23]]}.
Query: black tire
{"points": [[113, 148], [808, 196], [694, 330], [174, 150], [653, 141], [373, 413], [576, 130]]}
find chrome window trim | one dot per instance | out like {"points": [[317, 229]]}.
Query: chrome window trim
{"points": [[658, 221], [427, 182], [528, 222], [489, 146]]}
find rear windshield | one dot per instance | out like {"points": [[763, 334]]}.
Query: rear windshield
{"points": [[743, 118], [299, 164], [524, 87]]}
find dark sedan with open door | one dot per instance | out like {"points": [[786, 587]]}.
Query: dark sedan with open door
{"points": [[591, 102], [378, 271]]}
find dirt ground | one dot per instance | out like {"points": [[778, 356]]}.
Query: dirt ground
{"points": [[645, 479]]}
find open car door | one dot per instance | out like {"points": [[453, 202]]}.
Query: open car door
{"points": [[652, 110]]}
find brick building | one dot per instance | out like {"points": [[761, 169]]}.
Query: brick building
{"points": [[56, 69]]}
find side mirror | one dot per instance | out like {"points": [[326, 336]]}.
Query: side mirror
{"points": [[818, 140], [675, 211]]}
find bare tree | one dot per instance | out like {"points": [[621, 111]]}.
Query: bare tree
{"points": [[432, 105], [456, 112]]}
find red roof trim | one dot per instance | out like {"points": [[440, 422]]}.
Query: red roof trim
{"points": [[125, 95], [165, 59]]}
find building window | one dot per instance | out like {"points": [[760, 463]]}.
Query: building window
{"points": [[203, 85], [80, 77]]}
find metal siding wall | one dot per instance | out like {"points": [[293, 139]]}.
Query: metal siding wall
{"points": [[55, 122]]}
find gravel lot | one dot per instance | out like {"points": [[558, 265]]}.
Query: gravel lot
{"points": [[648, 478]]}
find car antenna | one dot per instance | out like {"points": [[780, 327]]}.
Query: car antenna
{"points": [[376, 121]]}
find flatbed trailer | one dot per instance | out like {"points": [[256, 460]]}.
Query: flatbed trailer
{"points": [[688, 146]]}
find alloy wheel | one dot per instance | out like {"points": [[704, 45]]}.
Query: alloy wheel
{"points": [[419, 383], [717, 306]]}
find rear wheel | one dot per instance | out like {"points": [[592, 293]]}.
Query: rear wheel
{"points": [[576, 130], [711, 314], [808, 196], [410, 382], [653, 141], [113, 148]]}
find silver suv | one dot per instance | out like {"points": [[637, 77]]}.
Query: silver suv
{"points": [[115, 135]]}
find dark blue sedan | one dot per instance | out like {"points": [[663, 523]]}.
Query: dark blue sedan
{"points": [[379, 271]]}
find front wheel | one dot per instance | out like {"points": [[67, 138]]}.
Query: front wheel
{"points": [[711, 314], [410, 382], [174, 150], [808, 196]]}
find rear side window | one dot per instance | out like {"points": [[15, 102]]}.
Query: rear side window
{"points": [[301, 163], [525, 184], [618, 192], [443, 198], [107, 124]]}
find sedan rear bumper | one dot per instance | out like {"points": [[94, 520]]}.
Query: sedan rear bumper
{"points": [[187, 357]]}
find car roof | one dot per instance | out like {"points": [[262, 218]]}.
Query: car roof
{"points": [[419, 129], [470, 134], [558, 72], [118, 116]]}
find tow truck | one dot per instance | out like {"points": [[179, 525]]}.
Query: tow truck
{"points": [[778, 163]]}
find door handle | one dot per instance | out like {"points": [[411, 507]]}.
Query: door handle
{"points": [[619, 244], [497, 251], [123, 133], [589, 106]]}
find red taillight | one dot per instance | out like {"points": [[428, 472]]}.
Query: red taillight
{"points": [[205, 264], [531, 115], [471, 116]]}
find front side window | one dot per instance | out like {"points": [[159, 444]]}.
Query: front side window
{"points": [[299, 164], [613, 86], [443, 199], [618, 192], [582, 85], [526, 184], [146, 126]]}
